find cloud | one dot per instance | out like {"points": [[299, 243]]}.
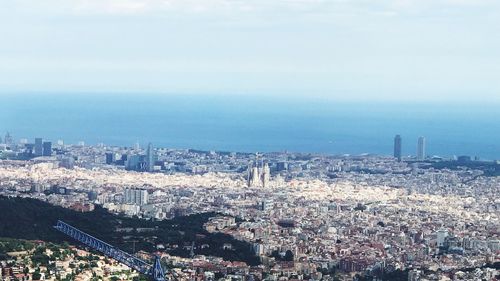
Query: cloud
{"points": [[112, 6], [237, 6], [393, 46]]}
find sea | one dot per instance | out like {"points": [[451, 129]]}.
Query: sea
{"points": [[245, 123]]}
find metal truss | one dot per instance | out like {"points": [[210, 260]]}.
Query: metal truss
{"points": [[154, 271]]}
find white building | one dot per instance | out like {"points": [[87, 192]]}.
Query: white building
{"points": [[135, 196]]}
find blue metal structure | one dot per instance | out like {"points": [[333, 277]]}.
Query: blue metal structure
{"points": [[154, 271]]}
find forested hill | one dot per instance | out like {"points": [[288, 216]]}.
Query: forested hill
{"points": [[32, 219]]}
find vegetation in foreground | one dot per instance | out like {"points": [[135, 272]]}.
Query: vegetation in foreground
{"points": [[31, 219]]}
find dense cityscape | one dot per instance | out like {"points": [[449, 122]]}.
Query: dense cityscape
{"points": [[250, 140], [305, 216]]}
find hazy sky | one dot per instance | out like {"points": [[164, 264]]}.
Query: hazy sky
{"points": [[342, 49]]}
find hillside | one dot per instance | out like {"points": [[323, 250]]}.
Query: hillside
{"points": [[32, 219]]}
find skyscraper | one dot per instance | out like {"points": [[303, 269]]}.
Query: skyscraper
{"points": [[8, 139], [38, 147], [47, 148], [397, 147], [421, 148], [132, 162], [110, 158], [150, 159]]}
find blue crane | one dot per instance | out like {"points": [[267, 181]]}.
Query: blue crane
{"points": [[155, 271]]}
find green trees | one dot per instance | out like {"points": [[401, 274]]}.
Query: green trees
{"points": [[14, 245], [36, 275], [40, 259], [33, 219]]}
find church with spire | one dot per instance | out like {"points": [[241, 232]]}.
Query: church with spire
{"points": [[258, 175]]}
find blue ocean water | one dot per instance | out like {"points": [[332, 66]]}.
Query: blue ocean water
{"points": [[251, 124]]}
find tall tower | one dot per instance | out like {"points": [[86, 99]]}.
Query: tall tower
{"points": [[421, 148], [8, 139], [253, 172], [38, 147], [249, 174], [47, 148], [255, 176], [397, 147], [150, 161], [266, 173]]}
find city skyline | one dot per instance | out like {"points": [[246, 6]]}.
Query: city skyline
{"points": [[329, 217], [252, 124], [44, 148], [249, 140]]}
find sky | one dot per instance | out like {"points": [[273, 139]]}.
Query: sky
{"points": [[403, 50]]}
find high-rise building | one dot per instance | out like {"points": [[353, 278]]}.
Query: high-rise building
{"points": [[38, 147], [8, 139], [421, 149], [132, 162], [281, 166], [29, 147], [110, 158], [135, 196], [47, 148], [397, 147], [121, 160], [150, 159]]}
